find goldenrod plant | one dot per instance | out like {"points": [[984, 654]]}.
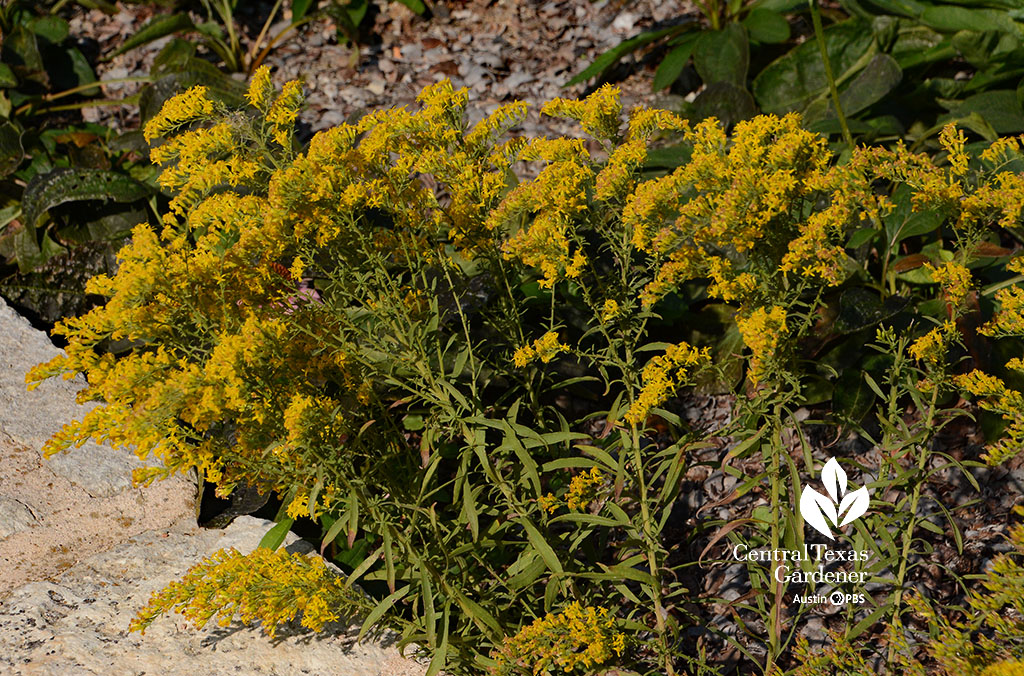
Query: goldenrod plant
{"points": [[472, 383]]}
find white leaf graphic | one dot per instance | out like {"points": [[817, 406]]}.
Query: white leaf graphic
{"points": [[834, 478], [814, 507], [857, 503]]}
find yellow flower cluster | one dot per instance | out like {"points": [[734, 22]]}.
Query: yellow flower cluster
{"points": [[730, 198], [953, 141], [261, 90], [272, 587], [583, 489], [1009, 319], [544, 349], [955, 280], [663, 374], [763, 331], [933, 346], [577, 640], [190, 106], [557, 199], [610, 310], [283, 112], [995, 396], [600, 114]]}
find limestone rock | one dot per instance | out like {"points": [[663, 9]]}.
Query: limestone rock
{"points": [[56, 512], [78, 624]]}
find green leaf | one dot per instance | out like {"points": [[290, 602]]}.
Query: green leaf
{"points": [[532, 566], [794, 80], [52, 28], [908, 8], [726, 101], [415, 5], [11, 151], [781, 6], [7, 78], [669, 157], [276, 535], [878, 78], [157, 27], [861, 308], [470, 511], [671, 67], [852, 398], [299, 9], [26, 249], [983, 48], [59, 186], [1000, 108], [861, 237], [767, 26], [440, 657], [378, 611], [609, 58], [83, 71], [951, 18], [867, 622], [723, 56], [541, 546]]}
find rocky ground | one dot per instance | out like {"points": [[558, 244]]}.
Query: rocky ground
{"points": [[81, 550], [501, 50]]}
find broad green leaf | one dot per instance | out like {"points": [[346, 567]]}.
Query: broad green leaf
{"points": [[723, 56], [609, 58], [779, 5], [75, 185], [861, 308], [951, 18], [157, 27], [26, 249], [415, 5], [852, 398], [276, 535], [7, 78], [82, 71], [671, 67], [794, 80], [982, 48], [52, 28], [878, 78], [765, 25], [908, 8], [861, 237], [1000, 108], [726, 101], [299, 9], [11, 152]]}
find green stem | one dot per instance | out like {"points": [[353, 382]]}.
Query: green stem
{"points": [[80, 88], [263, 33], [775, 448], [908, 534], [819, 32], [652, 553]]}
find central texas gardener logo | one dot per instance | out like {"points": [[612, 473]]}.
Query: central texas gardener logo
{"points": [[839, 507]]}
